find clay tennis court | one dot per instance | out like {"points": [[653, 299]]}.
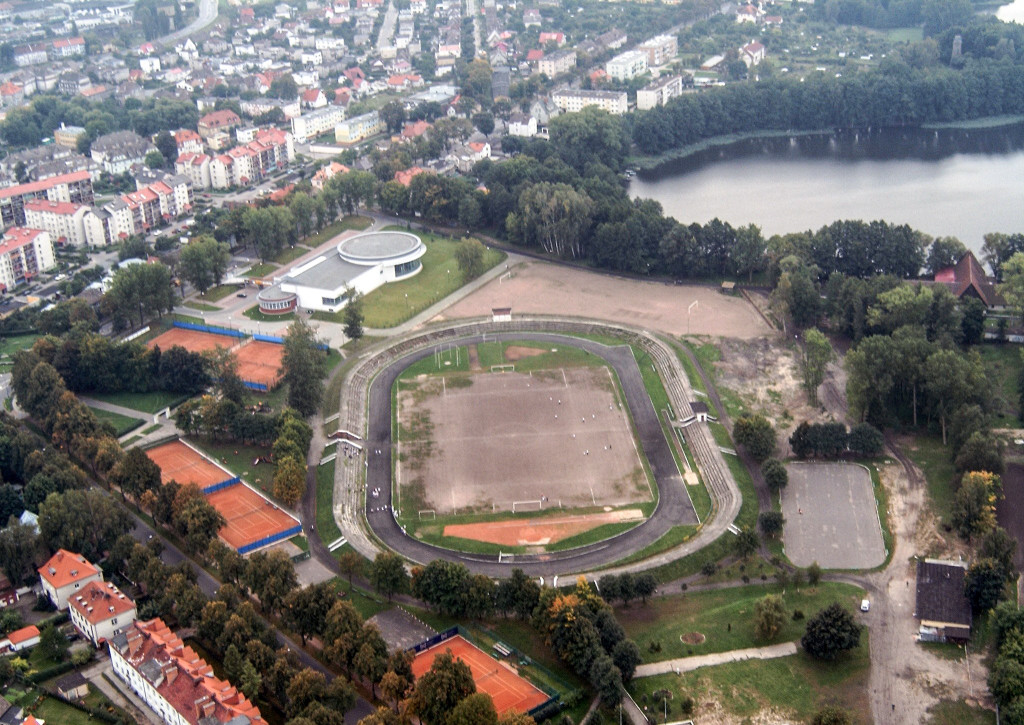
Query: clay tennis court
{"points": [[538, 532], [178, 462], [508, 690], [192, 340], [548, 289], [488, 440], [260, 362], [250, 517]]}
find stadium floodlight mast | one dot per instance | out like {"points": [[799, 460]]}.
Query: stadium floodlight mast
{"points": [[688, 311]]}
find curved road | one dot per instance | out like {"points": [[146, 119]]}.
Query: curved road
{"points": [[674, 506], [207, 14]]}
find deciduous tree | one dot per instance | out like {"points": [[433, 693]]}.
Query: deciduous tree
{"points": [[441, 688], [305, 364], [769, 616], [831, 632], [388, 574]]}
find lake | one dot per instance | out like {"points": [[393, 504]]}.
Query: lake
{"points": [[962, 183], [1012, 13]]}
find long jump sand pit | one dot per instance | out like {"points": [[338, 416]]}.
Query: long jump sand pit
{"points": [[183, 464], [832, 516], [479, 442], [539, 531], [260, 362], [542, 288], [192, 340], [507, 689]]}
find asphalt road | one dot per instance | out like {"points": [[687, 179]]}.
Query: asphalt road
{"points": [[674, 506], [207, 14]]}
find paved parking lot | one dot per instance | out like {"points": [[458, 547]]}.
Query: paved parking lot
{"points": [[831, 517]]}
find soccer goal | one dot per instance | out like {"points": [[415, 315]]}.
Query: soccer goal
{"points": [[533, 505], [424, 512], [502, 278], [503, 368]]}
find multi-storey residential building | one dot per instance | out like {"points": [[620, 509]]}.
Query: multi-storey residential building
{"points": [[312, 124], [175, 681], [660, 49], [99, 611], [659, 92], [75, 187], [140, 211], [30, 54], [196, 167], [62, 220], [68, 135], [572, 100], [628, 65], [612, 40], [358, 128], [66, 572], [271, 150], [68, 47], [117, 152], [556, 63]]}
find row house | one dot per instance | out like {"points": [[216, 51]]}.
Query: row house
{"points": [[174, 681], [271, 150], [660, 49], [313, 124], [68, 48], [31, 54], [75, 187], [574, 100], [139, 211], [24, 253]]}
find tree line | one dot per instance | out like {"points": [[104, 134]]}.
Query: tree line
{"points": [[895, 94]]}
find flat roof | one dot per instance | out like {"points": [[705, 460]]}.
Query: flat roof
{"points": [[327, 273], [378, 246]]}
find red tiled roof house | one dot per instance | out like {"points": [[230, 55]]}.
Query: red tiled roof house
{"points": [[64, 574]]}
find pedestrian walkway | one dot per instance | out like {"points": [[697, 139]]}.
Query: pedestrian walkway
{"points": [[123, 697], [688, 664]]}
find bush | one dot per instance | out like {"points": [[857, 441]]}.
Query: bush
{"points": [[709, 569]]}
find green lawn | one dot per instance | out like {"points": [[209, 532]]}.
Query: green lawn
{"points": [[240, 460], [928, 453], [202, 306], [260, 270], [10, 345], [956, 712], [905, 35], [290, 254], [53, 710], [150, 429], [724, 616], [345, 224], [325, 524], [797, 686], [121, 423], [143, 402], [392, 304], [215, 294], [367, 603], [1002, 366]]}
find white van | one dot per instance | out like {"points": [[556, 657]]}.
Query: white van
{"points": [[865, 605]]}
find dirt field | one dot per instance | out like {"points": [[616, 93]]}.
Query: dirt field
{"points": [[473, 442], [541, 288], [538, 532]]}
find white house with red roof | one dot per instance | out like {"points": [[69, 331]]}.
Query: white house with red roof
{"points": [[99, 610], [68, 47], [24, 253], [314, 98], [174, 680], [326, 173], [752, 53], [20, 639], [64, 574], [64, 220], [188, 141]]}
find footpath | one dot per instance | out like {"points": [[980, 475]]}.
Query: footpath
{"points": [[688, 664]]}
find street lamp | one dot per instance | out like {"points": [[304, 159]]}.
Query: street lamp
{"points": [[688, 311]]}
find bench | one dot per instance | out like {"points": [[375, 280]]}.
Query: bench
{"points": [[503, 649]]}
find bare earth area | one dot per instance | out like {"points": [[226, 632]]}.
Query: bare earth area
{"points": [[539, 532], [541, 288], [472, 443]]}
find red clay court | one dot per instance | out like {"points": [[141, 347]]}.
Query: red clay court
{"points": [[508, 690], [251, 518], [260, 362], [181, 463], [192, 340]]}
